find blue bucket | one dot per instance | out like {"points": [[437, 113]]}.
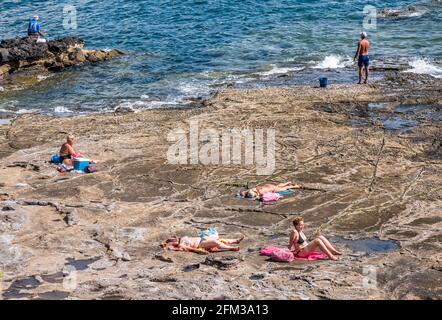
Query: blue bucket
{"points": [[323, 82]]}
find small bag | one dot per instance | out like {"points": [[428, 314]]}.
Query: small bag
{"points": [[282, 255], [55, 158], [91, 168], [270, 197], [209, 233]]}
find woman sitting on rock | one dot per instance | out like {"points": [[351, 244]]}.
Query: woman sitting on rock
{"points": [[201, 245], [67, 152], [258, 191], [298, 240]]}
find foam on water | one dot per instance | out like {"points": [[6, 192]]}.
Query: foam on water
{"points": [[425, 66], [42, 78], [279, 70], [334, 62], [62, 109], [189, 49]]}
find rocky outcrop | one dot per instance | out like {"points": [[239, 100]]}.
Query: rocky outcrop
{"points": [[26, 55], [369, 156], [410, 11]]}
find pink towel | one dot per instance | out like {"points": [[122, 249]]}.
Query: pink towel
{"points": [[311, 256]]}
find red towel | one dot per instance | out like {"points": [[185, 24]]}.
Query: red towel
{"points": [[311, 256]]}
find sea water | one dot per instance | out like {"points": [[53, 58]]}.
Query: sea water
{"points": [[179, 50]]}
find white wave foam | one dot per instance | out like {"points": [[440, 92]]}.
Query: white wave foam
{"points": [[62, 110], [41, 77], [417, 14], [334, 62], [138, 105], [279, 70], [144, 97], [21, 111], [193, 88], [424, 66]]}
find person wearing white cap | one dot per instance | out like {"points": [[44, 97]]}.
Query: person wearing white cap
{"points": [[34, 27], [362, 56]]}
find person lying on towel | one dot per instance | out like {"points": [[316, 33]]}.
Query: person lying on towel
{"points": [[298, 240], [201, 245], [67, 152], [258, 191]]}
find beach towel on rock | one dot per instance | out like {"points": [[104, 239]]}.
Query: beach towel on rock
{"points": [[280, 254], [270, 197], [209, 233], [280, 194]]}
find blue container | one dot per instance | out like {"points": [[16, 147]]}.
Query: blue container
{"points": [[323, 82], [80, 164]]}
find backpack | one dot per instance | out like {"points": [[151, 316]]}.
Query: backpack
{"points": [[33, 26], [270, 197], [282, 255], [91, 168]]}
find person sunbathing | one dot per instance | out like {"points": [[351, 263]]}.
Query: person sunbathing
{"points": [[67, 152], [201, 245], [298, 240], [258, 191]]}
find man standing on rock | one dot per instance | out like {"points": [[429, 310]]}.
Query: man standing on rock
{"points": [[363, 60], [34, 28]]}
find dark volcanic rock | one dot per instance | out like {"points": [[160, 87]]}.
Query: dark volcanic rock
{"points": [[222, 263], [22, 49], [62, 45], [25, 54]]}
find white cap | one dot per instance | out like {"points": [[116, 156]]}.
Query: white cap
{"points": [[35, 17], [363, 35]]}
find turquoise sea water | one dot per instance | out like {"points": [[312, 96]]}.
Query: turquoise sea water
{"points": [[183, 49]]}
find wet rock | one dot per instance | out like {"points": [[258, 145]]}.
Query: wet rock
{"points": [[191, 267], [222, 263], [8, 208], [22, 49], [163, 258], [31, 59], [257, 276], [77, 55], [396, 13], [124, 109], [62, 45], [4, 70]]}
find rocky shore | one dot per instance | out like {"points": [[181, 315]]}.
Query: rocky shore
{"points": [[372, 152], [23, 60]]}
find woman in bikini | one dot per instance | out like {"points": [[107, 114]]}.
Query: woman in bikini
{"points": [[298, 240], [67, 152], [258, 191], [201, 245]]}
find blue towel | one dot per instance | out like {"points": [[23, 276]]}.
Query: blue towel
{"points": [[286, 192], [209, 233], [282, 193]]}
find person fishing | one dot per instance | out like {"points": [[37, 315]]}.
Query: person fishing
{"points": [[362, 57], [34, 28]]}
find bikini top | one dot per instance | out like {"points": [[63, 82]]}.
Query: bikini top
{"points": [[300, 239]]}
